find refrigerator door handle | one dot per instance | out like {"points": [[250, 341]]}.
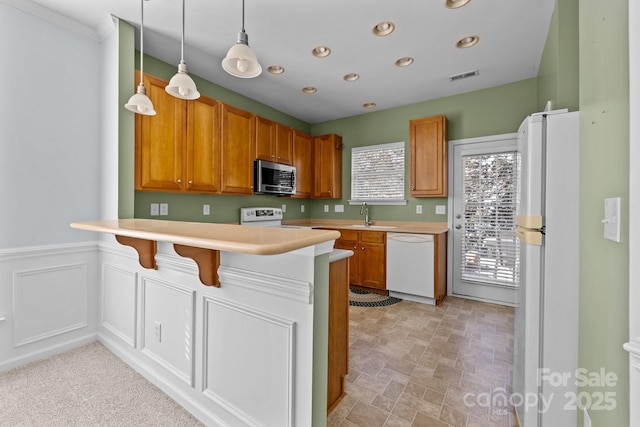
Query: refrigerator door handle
{"points": [[529, 221], [529, 236]]}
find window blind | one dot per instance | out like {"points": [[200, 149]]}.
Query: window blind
{"points": [[489, 244], [377, 172]]}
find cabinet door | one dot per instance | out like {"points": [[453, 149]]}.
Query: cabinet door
{"points": [[160, 140], [203, 145], [302, 155], [373, 259], [284, 144], [265, 139], [238, 139], [428, 157], [353, 260], [327, 167]]}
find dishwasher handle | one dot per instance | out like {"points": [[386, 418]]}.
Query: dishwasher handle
{"points": [[410, 238]]}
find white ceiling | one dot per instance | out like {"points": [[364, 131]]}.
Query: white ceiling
{"points": [[283, 32]]}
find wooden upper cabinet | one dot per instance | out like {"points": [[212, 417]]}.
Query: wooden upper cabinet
{"points": [[265, 139], [428, 156], [274, 142], [327, 164], [203, 145], [159, 147], [302, 160], [238, 150], [284, 144]]}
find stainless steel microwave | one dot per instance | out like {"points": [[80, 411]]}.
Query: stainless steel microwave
{"points": [[274, 178]]}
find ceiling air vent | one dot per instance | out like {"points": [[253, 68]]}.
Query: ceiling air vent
{"points": [[461, 76]]}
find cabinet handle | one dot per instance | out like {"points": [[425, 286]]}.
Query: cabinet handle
{"points": [[413, 188], [179, 181], [355, 248], [362, 248], [190, 182]]}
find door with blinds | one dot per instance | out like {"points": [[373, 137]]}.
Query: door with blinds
{"points": [[485, 261]]}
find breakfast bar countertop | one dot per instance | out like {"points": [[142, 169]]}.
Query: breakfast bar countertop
{"points": [[222, 237]]}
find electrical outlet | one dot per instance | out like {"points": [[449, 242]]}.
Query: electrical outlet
{"points": [[326, 208], [418, 209], [155, 209], [441, 209], [158, 331], [284, 208], [338, 208], [206, 209], [164, 209], [301, 208]]}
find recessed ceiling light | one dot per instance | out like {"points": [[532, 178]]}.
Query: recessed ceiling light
{"points": [[351, 77], [384, 28], [321, 51], [309, 89], [275, 69], [454, 4], [369, 105], [467, 42], [404, 62]]}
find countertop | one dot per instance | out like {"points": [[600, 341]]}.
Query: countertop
{"points": [[223, 237], [358, 225]]}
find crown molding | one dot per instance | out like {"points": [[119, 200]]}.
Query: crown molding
{"points": [[56, 18]]}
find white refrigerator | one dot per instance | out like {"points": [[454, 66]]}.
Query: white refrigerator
{"points": [[546, 313]]}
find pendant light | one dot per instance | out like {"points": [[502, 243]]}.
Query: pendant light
{"points": [[139, 102], [181, 85], [240, 60]]}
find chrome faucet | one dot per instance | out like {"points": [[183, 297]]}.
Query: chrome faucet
{"points": [[365, 209]]}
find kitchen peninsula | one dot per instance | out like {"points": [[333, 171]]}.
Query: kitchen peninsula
{"points": [[247, 347]]}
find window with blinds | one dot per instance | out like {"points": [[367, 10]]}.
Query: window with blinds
{"points": [[377, 173], [489, 245]]}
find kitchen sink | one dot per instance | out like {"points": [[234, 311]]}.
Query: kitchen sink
{"points": [[373, 227]]}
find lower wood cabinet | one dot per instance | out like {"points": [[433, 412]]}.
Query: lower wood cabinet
{"points": [[338, 363], [368, 265]]}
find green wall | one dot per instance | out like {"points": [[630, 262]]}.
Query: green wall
{"points": [[558, 76], [604, 159], [126, 123]]}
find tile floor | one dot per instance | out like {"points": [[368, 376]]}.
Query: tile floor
{"points": [[413, 364]]}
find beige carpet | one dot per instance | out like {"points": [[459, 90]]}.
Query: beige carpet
{"points": [[88, 386]]}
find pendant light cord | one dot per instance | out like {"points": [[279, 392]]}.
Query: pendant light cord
{"points": [[182, 44], [141, 42], [243, 16]]}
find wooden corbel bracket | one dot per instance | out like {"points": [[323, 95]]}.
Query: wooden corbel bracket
{"points": [[208, 261], [146, 250]]}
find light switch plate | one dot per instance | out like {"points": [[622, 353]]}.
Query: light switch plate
{"points": [[338, 208], [206, 209], [326, 208], [441, 209], [164, 209], [418, 209], [611, 219], [284, 208], [301, 208], [155, 209]]}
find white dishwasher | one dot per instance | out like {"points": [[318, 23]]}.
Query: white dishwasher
{"points": [[410, 266]]}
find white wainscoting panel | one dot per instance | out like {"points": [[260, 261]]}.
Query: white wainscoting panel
{"points": [[168, 322], [48, 302], [119, 302], [249, 362]]}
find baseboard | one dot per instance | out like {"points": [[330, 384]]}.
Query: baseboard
{"points": [[187, 402], [47, 352]]}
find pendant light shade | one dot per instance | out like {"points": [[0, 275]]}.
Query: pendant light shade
{"points": [[182, 85], [139, 102], [240, 60]]}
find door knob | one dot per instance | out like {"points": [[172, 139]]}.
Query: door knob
{"points": [[458, 216], [458, 227]]}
